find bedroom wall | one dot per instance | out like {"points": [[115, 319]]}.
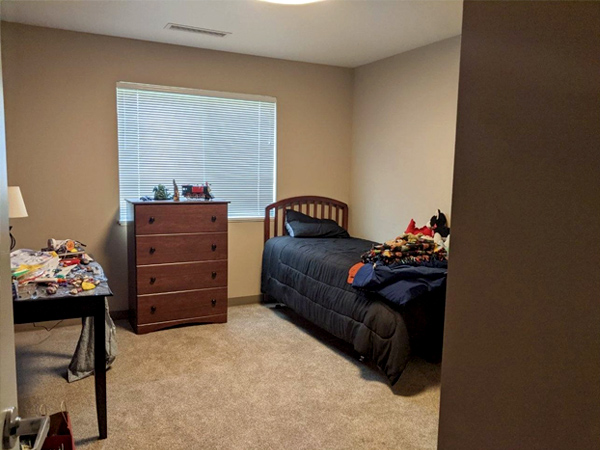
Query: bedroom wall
{"points": [[403, 149], [521, 359], [62, 134]]}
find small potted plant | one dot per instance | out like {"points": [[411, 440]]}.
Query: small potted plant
{"points": [[161, 192]]}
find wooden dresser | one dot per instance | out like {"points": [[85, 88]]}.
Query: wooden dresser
{"points": [[177, 254]]}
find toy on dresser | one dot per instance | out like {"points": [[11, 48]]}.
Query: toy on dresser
{"points": [[197, 192]]}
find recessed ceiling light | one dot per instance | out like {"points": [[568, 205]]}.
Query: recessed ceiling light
{"points": [[292, 2]]}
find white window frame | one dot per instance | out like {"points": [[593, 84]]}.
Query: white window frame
{"points": [[208, 93]]}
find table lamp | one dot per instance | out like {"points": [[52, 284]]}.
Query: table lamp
{"points": [[16, 209]]}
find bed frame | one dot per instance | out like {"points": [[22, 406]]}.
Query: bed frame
{"points": [[317, 207], [418, 327]]}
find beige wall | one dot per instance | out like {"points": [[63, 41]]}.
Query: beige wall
{"points": [[521, 363], [403, 151], [62, 134]]}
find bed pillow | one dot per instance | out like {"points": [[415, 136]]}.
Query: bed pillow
{"points": [[301, 225]]}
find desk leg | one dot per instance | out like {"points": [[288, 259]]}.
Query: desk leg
{"points": [[100, 368]]}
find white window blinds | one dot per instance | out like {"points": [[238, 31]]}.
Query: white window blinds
{"points": [[192, 136]]}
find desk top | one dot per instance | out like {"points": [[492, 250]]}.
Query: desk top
{"points": [[37, 291]]}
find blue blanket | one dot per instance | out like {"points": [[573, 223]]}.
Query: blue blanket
{"points": [[401, 283]]}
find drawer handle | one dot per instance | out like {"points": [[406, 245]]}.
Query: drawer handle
{"points": [[214, 275], [214, 302], [214, 247], [213, 219], [152, 280], [152, 309], [151, 220], [152, 250]]}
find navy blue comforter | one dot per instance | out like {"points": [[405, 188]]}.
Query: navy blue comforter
{"points": [[310, 276], [401, 283]]}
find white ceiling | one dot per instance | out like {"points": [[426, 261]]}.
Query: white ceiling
{"points": [[346, 33]]}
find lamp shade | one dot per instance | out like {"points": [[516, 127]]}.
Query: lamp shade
{"points": [[16, 205]]}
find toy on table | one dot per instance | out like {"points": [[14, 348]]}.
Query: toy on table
{"points": [[64, 263]]}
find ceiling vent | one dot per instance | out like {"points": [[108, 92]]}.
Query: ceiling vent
{"points": [[179, 27]]}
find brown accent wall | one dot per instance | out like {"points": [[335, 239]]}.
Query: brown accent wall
{"points": [[521, 367], [61, 129]]}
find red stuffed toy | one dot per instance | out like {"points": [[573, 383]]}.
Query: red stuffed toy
{"points": [[412, 229]]}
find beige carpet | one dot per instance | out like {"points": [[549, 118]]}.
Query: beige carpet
{"points": [[265, 380]]}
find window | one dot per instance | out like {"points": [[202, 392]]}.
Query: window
{"points": [[192, 136]]}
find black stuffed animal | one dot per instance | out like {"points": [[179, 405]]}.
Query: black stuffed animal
{"points": [[439, 224]]}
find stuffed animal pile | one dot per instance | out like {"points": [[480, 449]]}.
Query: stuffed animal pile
{"points": [[416, 246]]}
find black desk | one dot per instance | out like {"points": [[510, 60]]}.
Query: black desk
{"points": [[63, 305]]}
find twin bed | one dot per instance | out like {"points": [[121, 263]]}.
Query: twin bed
{"points": [[310, 276]]}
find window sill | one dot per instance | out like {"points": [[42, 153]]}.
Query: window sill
{"points": [[246, 219]]}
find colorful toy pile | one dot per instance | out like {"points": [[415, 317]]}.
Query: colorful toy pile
{"points": [[63, 264], [418, 245], [406, 249]]}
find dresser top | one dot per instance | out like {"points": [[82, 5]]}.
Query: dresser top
{"points": [[182, 200]]}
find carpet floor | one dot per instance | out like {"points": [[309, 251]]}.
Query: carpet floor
{"points": [[267, 379]]}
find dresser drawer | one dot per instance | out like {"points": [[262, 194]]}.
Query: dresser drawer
{"points": [[181, 305], [156, 249], [180, 218], [181, 277]]}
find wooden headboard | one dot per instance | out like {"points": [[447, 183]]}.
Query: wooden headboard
{"points": [[318, 207]]}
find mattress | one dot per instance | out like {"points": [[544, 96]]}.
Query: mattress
{"points": [[309, 275]]}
